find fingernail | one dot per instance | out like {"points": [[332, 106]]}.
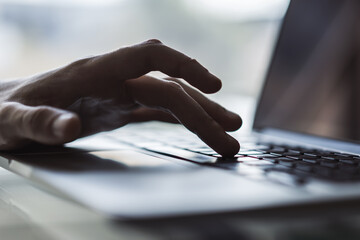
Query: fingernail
{"points": [[59, 125]]}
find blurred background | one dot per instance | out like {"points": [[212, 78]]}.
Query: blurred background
{"points": [[232, 38]]}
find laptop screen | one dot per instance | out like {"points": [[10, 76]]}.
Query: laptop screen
{"points": [[313, 83]]}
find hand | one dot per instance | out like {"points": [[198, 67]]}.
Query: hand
{"points": [[111, 90]]}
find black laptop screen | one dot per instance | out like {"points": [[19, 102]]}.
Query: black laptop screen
{"points": [[313, 83]]}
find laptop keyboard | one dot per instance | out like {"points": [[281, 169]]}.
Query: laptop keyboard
{"points": [[259, 160]]}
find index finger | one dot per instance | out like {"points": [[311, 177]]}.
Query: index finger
{"points": [[152, 55], [171, 97]]}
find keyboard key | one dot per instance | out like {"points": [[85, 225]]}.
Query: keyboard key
{"points": [[293, 154], [311, 155], [298, 158], [323, 152], [311, 160], [273, 160], [277, 151], [329, 155], [345, 155], [266, 155], [330, 158], [350, 161]]}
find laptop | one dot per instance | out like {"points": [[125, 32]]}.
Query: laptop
{"points": [[304, 149]]}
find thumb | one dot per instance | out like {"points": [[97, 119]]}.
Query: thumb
{"points": [[43, 124]]}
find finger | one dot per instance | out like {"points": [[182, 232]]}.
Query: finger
{"points": [[42, 124], [170, 96], [228, 120], [147, 114], [152, 55]]}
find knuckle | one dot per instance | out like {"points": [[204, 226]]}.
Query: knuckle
{"points": [[126, 50], [9, 113], [151, 47], [10, 124], [40, 113], [7, 120], [189, 60], [80, 69], [177, 80], [191, 64], [81, 62], [80, 65], [147, 52], [39, 118], [173, 87], [153, 41], [144, 54], [6, 109]]}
